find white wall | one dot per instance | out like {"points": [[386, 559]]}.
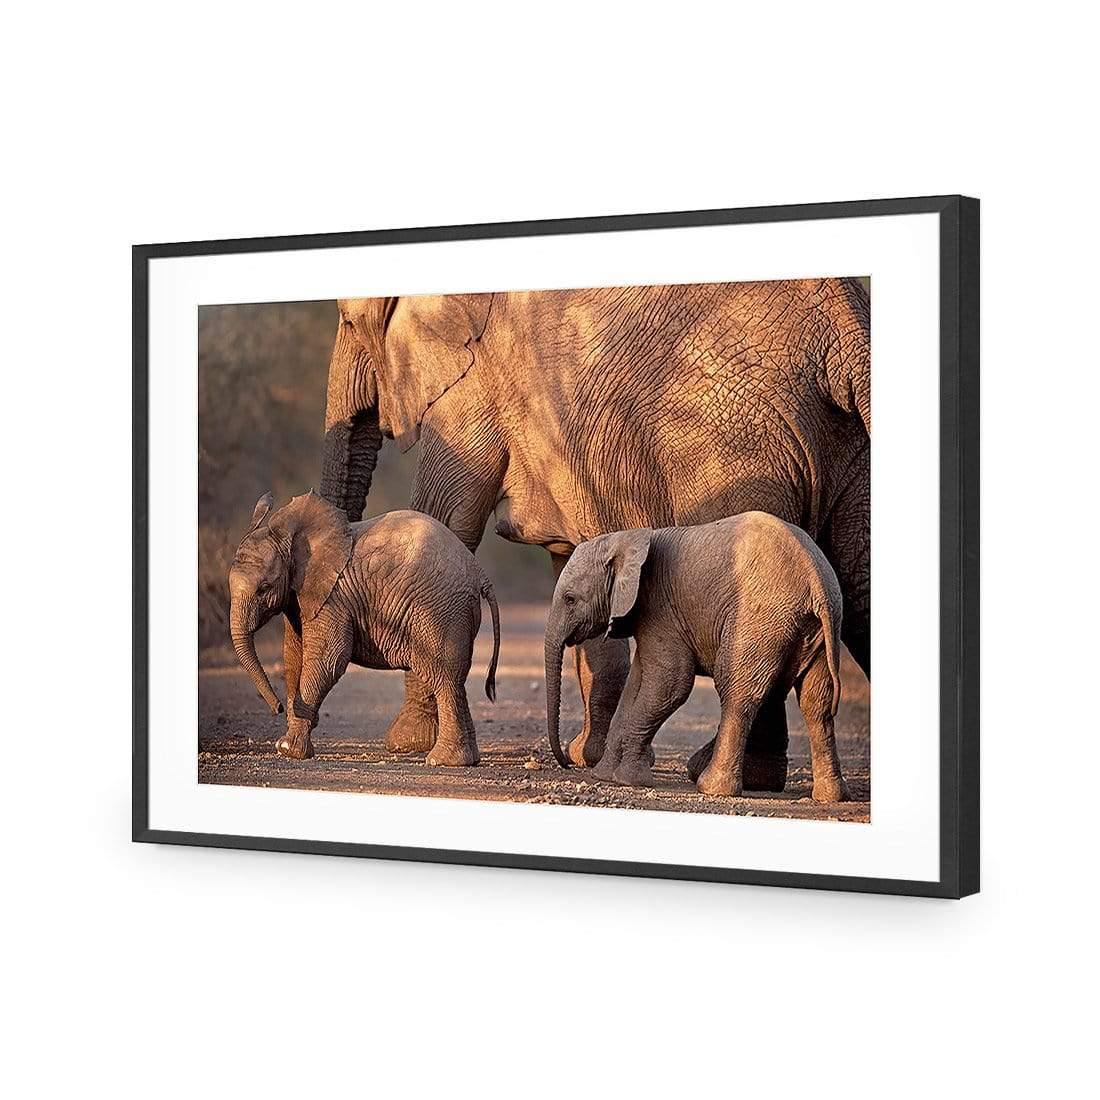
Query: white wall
{"points": [[168, 972]]}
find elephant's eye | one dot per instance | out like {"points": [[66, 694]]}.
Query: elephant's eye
{"points": [[569, 598]]}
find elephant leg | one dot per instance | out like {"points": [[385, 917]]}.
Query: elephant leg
{"points": [[725, 772], [738, 680], [457, 479], [698, 761], [855, 626], [602, 668], [417, 723], [296, 744], [660, 691], [456, 745], [858, 641], [292, 658], [765, 763], [815, 697], [318, 674], [846, 542], [765, 767], [613, 748]]}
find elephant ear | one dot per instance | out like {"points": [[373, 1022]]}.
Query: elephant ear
{"points": [[259, 513], [429, 343], [626, 554], [319, 542]]}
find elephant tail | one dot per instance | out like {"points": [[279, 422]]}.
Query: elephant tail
{"points": [[491, 677], [827, 607]]}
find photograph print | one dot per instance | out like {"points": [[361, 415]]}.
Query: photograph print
{"points": [[592, 548]]}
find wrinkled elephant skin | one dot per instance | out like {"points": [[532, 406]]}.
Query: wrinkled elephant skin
{"points": [[577, 413], [399, 591], [749, 600]]}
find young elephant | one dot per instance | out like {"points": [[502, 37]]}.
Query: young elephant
{"points": [[397, 591], [749, 600]]}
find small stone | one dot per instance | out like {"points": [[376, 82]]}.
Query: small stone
{"points": [[534, 685], [532, 765]]}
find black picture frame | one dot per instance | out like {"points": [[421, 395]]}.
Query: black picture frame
{"points": [[959, 540]]}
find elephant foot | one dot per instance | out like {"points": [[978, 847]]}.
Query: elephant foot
{"points": [[604, 771], [412, 731], [764, 772], [453, 756], [833, 789], [715, 781], [633, 773], [698, 761], [295, 746], [761, 771], [586, 749]]}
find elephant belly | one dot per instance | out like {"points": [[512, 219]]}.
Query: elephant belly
{"points": [[367, 654], [685, 464], [651, 496], [731, 490]]}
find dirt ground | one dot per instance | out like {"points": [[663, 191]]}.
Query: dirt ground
{"points": [[237, 733]]}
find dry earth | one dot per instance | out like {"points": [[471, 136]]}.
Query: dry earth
{"points": [[236, 739]]}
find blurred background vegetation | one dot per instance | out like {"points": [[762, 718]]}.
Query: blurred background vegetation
{"points": [[262, 375]]}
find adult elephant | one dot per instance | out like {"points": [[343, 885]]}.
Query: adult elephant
{"points": [[575, 413]]}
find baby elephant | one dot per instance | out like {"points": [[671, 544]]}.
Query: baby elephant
{"points": [[749, 600], [396, 591]]}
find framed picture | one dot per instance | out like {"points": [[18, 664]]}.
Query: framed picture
{"points": [[549, 545]]}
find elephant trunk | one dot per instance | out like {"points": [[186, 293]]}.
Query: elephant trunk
{"points": [[350, 454], [244, 645], [555, 650]]}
